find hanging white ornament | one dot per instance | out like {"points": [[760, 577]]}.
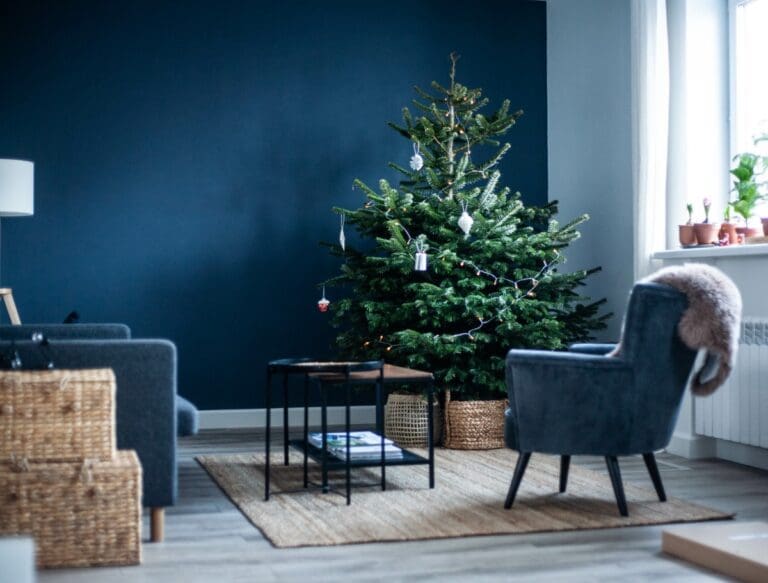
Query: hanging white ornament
{"points": [[417, 162], [323, 303], [420, 262], [342, 238], [465, 220]]}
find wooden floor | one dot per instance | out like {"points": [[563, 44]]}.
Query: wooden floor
{"points": [[208, 540]]}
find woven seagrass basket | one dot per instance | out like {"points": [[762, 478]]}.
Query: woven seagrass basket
{"points": [[406, 420], [61, 415], [81, 514], [474, 424]]}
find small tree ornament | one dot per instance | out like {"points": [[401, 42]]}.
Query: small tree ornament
{"points": [[465, 220], [323, 303], [420, 263], [417, 162], [342, 237]]}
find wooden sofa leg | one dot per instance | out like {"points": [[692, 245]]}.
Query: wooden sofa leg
{"points": [[157, 524]]}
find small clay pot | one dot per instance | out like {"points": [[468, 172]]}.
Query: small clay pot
{"points": [[706, 233], [687, 235], [765, 226], [728, 230], [747, 232]]}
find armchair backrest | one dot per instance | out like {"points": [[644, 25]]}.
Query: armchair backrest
{"points": [[660, 361]]}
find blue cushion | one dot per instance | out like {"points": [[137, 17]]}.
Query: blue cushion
{"points": [[187, 418]]}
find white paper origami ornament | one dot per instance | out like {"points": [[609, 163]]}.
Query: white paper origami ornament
{"points": [[420, 261], [342, 238], [417, 162], [465, 220]]}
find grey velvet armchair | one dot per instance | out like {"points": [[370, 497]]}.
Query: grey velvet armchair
{"points": [[583, 402]]}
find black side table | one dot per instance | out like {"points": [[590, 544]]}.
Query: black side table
{"points": [[306, 367], [330, 374]]}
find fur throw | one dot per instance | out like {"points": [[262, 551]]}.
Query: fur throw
{"points": [[711, 322]]}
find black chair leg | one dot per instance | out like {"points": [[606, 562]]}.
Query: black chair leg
{"points": [[522, 463], [618, 488], [565, 463], [653, 470]]}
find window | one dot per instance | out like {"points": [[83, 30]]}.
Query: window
{"points": [[749, 77]]}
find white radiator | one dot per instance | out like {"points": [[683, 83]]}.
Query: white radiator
{"points": [[738, 411]]}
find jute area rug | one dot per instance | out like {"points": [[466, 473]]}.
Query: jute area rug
{"points": [[468, 500]]}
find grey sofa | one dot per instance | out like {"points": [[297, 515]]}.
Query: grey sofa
{"points": [[583, 402], [149, 412]]}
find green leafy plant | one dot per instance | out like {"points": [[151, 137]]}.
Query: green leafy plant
{"points": [[689, 208], [749, 168], [493, 279]]}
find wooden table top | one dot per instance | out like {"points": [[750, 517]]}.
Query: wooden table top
{"points": [[392, 374]]}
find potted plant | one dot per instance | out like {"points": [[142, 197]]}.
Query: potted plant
{"points": [[728, 233], [706, 232], [686, 233], [749, 168]]}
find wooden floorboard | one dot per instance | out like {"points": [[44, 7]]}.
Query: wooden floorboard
{"points": [[208, 540]]}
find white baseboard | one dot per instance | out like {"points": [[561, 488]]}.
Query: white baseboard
{"points": [[748, 455], [691, 446], [257, 418], [700, 446]]}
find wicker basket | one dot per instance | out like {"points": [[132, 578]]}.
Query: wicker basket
{"points": [[57, 414], [81, 514], [474, 424], [406, 420]]}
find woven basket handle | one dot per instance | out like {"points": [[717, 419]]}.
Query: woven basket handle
{"points": [[19, 463], [64, 381]]}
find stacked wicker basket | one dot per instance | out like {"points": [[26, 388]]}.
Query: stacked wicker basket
{"points": [[61, 478]]}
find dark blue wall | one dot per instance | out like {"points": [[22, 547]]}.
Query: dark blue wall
{"points": [[188, 154]]}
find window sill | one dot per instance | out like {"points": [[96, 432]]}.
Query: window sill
{"points": [[714, 252]]}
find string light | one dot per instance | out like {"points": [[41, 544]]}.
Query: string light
{"points": [[535, 282]]}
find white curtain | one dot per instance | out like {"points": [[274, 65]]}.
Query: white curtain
{"points": [[650, 129]]}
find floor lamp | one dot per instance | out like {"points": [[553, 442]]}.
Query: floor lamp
{"points": [[17, 199]]}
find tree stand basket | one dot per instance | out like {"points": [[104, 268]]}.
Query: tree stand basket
{"points": [[405, 420], [474, 424]]}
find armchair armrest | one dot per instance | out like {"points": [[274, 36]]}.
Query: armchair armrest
{"points": [[568, 403], [592, 348]]}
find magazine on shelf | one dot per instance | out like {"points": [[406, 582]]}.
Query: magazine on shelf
{"points": [[338, 439], [354, 454]]}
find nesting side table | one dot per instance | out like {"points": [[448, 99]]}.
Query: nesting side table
{"points": [[327, 376]]}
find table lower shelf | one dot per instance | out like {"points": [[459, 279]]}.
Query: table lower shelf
{"points": [[332, 462]]}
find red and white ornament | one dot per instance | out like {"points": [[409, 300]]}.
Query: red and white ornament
{"points": [[323, 303]]}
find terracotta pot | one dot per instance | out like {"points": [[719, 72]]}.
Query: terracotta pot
{"points": [[747, 232], [687, 236], [706, 233], [729, 230], [765, 227]]}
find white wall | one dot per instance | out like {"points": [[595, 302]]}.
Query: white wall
{"points": [[590, 147]]}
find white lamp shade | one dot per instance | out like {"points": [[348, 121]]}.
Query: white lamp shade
{"points": [[17, 188]]}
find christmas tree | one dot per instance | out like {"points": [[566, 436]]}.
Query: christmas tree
{"points": [[455, 269]]}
